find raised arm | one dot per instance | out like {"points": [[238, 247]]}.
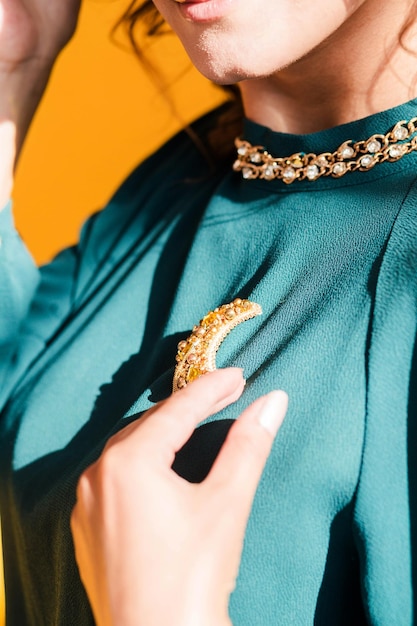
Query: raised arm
{"points": [[32, 34]]}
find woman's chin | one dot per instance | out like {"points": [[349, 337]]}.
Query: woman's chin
{"points": [[223, 69]]}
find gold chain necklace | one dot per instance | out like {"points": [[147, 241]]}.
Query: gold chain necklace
{"points": [[256, 162]]}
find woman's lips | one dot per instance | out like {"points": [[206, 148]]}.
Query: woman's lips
{"points": [[203, 10]]}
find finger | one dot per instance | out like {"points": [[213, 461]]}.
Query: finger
{"points": [[240, 463], [173, 421]]}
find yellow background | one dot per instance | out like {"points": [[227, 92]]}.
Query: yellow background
{"points": [[101, 115]]}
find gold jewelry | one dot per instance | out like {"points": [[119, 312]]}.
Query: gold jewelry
{"points": [[197, 354], [256, 162]]}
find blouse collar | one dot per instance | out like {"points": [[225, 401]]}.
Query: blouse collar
{"points": [[285, 144]]}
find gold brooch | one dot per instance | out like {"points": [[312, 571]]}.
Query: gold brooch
{"points": [[197, 354]]}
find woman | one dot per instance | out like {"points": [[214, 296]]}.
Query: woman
{"points": [[316, 228]]}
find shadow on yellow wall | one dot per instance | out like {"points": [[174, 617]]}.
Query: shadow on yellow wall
{"points": [[101, 115]]}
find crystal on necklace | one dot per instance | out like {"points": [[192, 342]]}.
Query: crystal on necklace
{"points": [[395, 152], [367, 161], [255, 157], [312, 172], [269, 171], [400, 133], [247, 173], [339, 169], [374, 146], [288, 174], [347, 152]]}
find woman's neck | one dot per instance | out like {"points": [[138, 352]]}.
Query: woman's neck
{"points": [[360, 70]]}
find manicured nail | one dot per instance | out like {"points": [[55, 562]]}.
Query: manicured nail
{"points": [[273, 411]]}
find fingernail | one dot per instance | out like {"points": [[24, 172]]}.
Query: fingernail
{"points": [[273, 411]]}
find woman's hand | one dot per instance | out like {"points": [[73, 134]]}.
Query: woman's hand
{"points": [[34, 30], [152, 548]]}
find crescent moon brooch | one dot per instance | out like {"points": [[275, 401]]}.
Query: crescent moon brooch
{"points": [[197, 354]]}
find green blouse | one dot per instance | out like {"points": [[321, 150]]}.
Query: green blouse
{"points": [[89, 341]]}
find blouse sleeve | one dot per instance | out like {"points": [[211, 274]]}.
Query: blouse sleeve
{"points": [[32, 301]]}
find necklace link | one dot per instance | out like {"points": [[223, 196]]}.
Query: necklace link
{"points": [[256, 162]]}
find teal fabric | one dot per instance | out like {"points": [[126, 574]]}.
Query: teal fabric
{"points": [[90, 342]]}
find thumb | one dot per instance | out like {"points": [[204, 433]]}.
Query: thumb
{"points": [[240, 463]]}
